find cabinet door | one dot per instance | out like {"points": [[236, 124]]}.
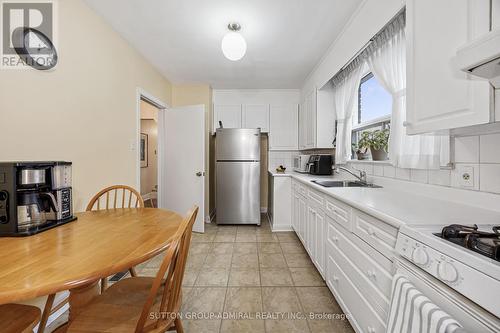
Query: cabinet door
{"points": [[256, 116], [311, 231], [230, 115], [283, 132], [320, 242], [302, 220], [310, 120], [495, 14], [440, 96], [302, 124]]}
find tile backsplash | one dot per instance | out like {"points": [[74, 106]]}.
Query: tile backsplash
{"points": [[477, 166], [285, 158]]}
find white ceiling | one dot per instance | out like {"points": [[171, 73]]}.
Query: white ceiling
{"points": [[285, 38]]}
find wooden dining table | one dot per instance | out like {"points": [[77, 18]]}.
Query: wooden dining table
{"points": [[76, 255]]}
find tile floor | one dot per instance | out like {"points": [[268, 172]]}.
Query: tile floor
{"points": [[266, 278]]}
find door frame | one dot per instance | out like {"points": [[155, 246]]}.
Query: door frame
{"points": [[142, 94]]}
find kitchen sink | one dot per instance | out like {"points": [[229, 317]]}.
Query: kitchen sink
{"points": [[344, 183]]}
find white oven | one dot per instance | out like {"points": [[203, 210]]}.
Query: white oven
{"points": [[467, 294]]}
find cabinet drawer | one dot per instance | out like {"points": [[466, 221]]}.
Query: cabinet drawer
{"points": [[301, 188], [371, 279], [362, 315], [371, 264], [315, 198], [378, 234], [339, 212]]}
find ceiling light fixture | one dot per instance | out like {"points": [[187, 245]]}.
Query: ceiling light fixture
{"points": [[233, 44]]}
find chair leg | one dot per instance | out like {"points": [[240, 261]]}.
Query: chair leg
{"points": [[46, 313], [132, 271], [104, 284], [178, 325]]}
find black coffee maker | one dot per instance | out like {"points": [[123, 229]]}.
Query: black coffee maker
{"points": [[34, 196]]}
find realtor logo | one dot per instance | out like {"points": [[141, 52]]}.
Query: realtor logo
{"points": [[27, 34]]}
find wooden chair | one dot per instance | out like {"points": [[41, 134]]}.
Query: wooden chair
{"points": [[50, 309], [130, 198], [113, 197], [18, 318], [142, 304]]}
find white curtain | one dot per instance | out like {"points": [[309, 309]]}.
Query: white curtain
{"points": [[386, 57], [345, 94]]}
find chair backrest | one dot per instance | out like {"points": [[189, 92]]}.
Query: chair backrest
{"points": [[116, 196], [173, 265]]}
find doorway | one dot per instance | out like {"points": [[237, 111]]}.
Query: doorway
{"points": [[148, 153], [171, 156]]}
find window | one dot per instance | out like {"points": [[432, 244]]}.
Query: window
{"points": [[374, 109], [374, 101]]}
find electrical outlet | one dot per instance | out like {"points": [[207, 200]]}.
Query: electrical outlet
{"points": [[466, 176]]}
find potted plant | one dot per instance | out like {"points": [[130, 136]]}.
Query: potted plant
{"points": [[378, 142]]}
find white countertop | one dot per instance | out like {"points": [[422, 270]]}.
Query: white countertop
{"points": [[400, 202]]}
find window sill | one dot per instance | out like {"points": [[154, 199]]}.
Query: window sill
{"points": [[369, 162]]}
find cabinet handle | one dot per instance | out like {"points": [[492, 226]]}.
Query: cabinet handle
{"points": [[335, 279], [371, 274], [335, 239], [406, 123], [370, 231], [370, 329]]}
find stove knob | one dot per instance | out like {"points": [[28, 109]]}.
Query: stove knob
{"points": [[420, 256], [447, 272]]}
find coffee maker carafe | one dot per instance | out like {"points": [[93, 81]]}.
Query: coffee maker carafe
{"points": [[34, 196]]}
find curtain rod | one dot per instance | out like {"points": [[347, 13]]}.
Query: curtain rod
{"points": [[369, 41]]}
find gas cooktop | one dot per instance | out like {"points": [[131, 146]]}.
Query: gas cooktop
{"points": [[483, 242]]}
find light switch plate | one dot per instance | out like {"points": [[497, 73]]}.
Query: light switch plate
{"points": [[132, 145], [466, 176]]}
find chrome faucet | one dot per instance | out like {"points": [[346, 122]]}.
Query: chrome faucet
{"points": [[361, 177]]}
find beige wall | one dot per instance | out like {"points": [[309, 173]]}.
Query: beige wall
{"points": [[194, 94], [84, 111]]}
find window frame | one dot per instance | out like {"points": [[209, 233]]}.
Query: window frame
{"points": [[358, 126]]}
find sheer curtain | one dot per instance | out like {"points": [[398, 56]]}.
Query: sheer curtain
{"points": [[386, 57], [345, 94]]}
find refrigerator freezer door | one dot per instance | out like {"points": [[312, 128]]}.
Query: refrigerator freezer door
{"points": [[238, 144], [238, 193]]}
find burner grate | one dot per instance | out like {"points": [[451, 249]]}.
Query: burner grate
{"points": [[485, 243]]}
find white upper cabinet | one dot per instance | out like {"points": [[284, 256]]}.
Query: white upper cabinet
{"points": [[256, 116], [317, 120], [230, 115], [283, 134], [439, 95]]}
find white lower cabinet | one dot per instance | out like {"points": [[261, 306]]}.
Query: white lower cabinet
{"points": [[279, 202], [352, 251], [361, 315]]}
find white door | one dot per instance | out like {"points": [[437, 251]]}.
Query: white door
{"points": [[256, 116], [181, 156]]}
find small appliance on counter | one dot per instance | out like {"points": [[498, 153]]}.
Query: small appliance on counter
{"points": [[300, 163], [320, 165], [34, 196]]}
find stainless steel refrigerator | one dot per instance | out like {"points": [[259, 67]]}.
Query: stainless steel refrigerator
{"points": [[237, 176]]}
